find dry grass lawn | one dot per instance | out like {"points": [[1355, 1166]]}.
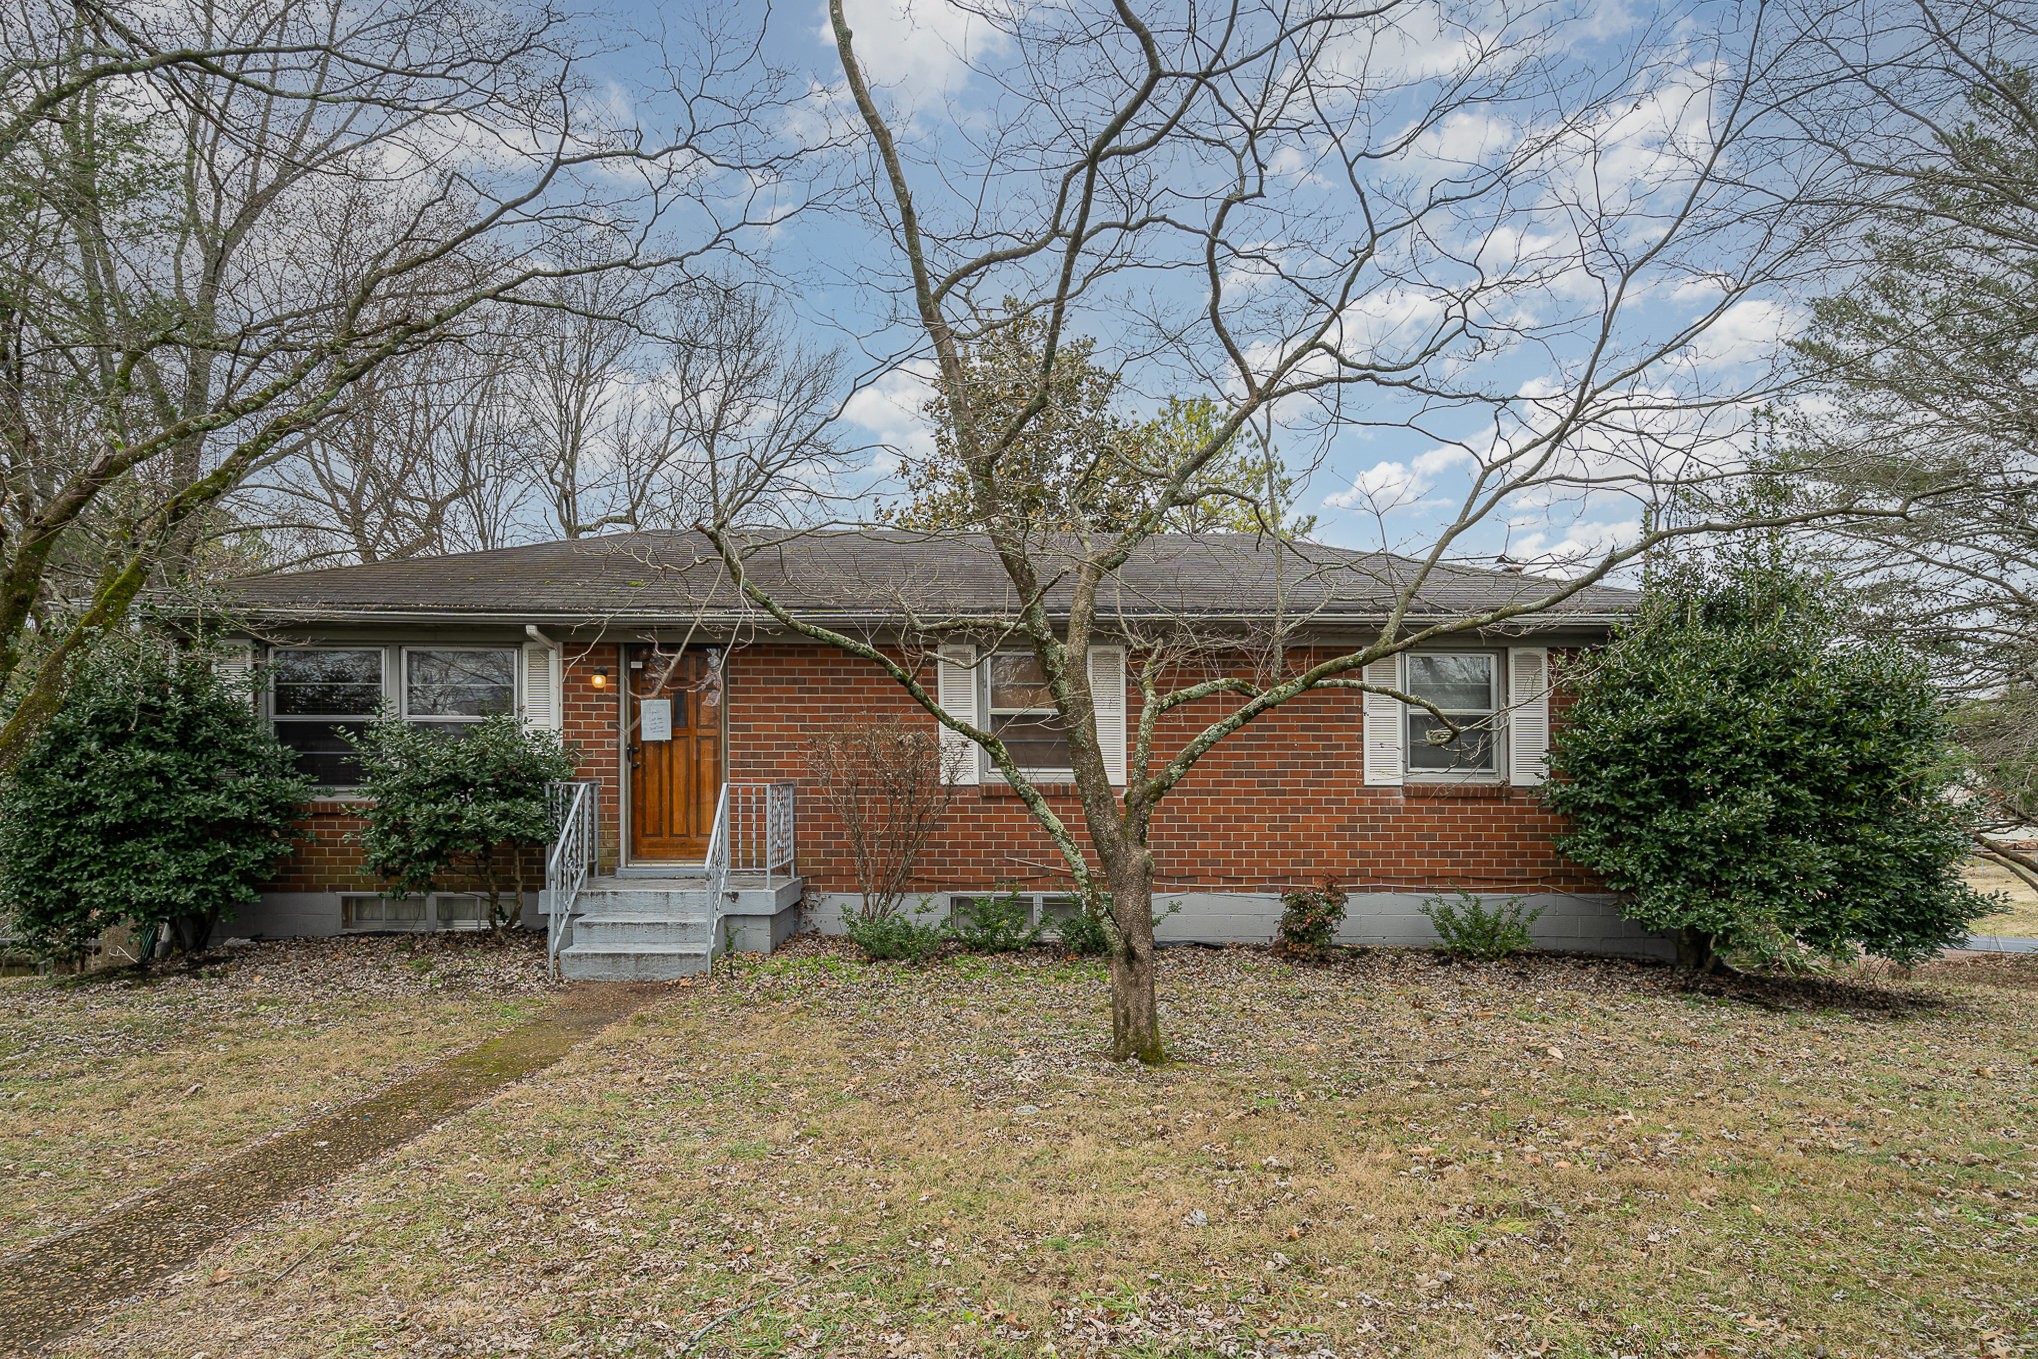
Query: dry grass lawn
{"points": [[808, 1155], [2019, 916], [110, 1084]]}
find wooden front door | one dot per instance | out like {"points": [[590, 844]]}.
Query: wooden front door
{"points": [[675, 746]]}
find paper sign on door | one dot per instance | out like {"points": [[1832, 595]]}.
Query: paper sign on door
{"points": [[654, 718]]}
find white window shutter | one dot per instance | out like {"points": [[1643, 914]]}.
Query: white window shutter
{"points": [[234, 662], [956, 692], [1107, 696], [1528, 718], [543, 707], [1385, 727]]}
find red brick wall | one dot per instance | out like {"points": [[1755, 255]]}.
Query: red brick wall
{"points": [[1280, 803], [592, 723], [328, 861]]}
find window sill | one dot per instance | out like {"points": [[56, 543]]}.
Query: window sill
{"points": [[996, 787], [340, 802], [1482, 789]]}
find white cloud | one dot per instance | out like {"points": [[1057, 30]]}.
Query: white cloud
{"points": [[1747, 331], [1582, 545], [919, 52], [1382, 489], [893, 409]]}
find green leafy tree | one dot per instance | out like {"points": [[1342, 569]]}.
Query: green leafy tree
{"points": [[1079, 462], [463, 806], [153, 797], [1752, 777]]}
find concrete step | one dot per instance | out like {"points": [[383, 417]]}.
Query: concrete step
{"points": [[670, 902], [617, 931], [641, 963]]}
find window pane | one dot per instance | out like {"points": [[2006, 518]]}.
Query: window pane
{"points": [[322, 752], [326, 683], [1017, 682], [1471, 749], [1453, 683], [361, 912], [459, 683], [457, 910], [1036, 741]]}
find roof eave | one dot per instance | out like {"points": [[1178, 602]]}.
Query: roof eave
{"points": [[299, 615]]}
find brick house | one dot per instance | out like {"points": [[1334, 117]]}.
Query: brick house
{"points": [[690, 712]]}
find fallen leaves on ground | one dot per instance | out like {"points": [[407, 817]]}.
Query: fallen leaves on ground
{"points": [[808, 1155], [115, 1082]]}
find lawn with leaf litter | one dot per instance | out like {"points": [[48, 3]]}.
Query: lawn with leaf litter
{"points": [[113, 1083], [1392, 1154]]}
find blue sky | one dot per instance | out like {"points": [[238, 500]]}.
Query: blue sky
{"points": [[1602, 111]]}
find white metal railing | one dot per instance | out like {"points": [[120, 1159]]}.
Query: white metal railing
{"points": [[715, 882], [761, 830], [753, 833], [576, 821]]}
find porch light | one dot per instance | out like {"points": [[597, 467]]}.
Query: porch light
{"points": [[600, 678]]}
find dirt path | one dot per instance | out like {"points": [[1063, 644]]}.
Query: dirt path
{"points": [[51, 1288]]}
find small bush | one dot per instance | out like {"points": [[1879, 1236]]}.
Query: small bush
{"points": [[1472, 929], [464, 805], [1309, 919], [893, 937], [1083, 934], [1000, 923]]}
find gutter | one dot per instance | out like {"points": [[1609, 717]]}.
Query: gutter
{"points": [[764, 622]]}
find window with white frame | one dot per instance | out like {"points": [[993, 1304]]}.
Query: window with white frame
{"points": [[319, 696], [1023, 716], [458, 685], [1466, 687]]}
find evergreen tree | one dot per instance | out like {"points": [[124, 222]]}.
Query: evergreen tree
{"points": [[154, 797], [1752, 777]]}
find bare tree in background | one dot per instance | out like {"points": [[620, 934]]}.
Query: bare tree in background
{"points": [[1388, 217], [420, 457], [1926, 362], [1927, 356], [215, 224], [619, 403]]}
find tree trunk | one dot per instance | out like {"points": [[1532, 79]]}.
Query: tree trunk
{"points": [[189, 933], [1135, 1009], [492, 888], [1695, 950]]}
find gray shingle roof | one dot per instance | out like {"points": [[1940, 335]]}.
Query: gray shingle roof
{"points": [[875, 575]]}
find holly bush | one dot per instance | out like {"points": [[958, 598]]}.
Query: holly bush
{"points": [[1748, 774], [153, 796], [458, 804]]}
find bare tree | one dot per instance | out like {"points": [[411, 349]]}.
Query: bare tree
{"points": [[1927, 358], [889, 784], [617, 402], [1324, 217], [219, 222], [419, 457]]}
